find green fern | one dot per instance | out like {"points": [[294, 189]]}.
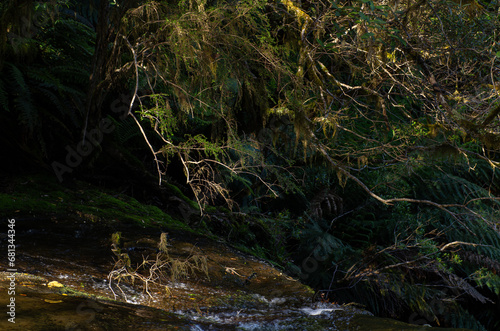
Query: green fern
{"points": [[43, 77], [320, 242], [471, 230], [461, 318], [53, 80], [56, 101], [377, 275], [482, 172], [125, 130], [55, 94], [487, 278], [4, 97], [72, 73], [23, 101]]}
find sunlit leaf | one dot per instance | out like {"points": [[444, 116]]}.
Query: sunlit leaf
{"points": [[55, 284]]}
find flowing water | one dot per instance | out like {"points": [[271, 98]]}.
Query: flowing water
{"points": [[63, 284]]}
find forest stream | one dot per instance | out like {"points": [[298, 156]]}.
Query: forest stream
{"points": [[250, 165], [63, 283]]}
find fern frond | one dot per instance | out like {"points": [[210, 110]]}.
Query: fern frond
{"points": [[64, 110], [480, 260], [43, 77], [4, 98], [483, 173], [28, 115], [74, 33], [461, 318], [18, 78], [50, 80], [125, 130], [488, 279], [471, 230], [72, 73]]}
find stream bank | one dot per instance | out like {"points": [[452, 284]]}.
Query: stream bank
{"points": [[65, 260]]}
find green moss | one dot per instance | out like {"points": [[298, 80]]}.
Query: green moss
{"points": [[14, 203], [177, 192], [238, 299], [75, 293], [43, 197]]}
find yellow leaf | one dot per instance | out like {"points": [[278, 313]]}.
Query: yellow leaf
{"points": [[55, 284], [52, 301]]}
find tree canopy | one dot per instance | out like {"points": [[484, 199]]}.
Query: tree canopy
{"points": [[363, 133]]}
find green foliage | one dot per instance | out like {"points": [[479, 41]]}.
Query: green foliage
{"points": [[125, 131], [23, 102], [374, 125], [402, 259], [42, 87], [487, 278], [347, 84], [161, 114], [4, 101], [461, 318], [86, 203]]}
